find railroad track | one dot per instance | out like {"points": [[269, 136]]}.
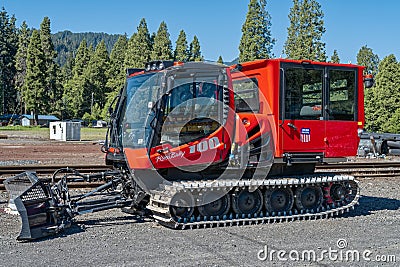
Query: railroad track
{"points": [[46, 171], [356, 169], [364, 169]]}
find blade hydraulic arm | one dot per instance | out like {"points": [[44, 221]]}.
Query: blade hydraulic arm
{"points": [[48, 208]]}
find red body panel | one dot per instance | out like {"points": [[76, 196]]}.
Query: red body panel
{"points": [[341, 139], [137, 158], [334, 138], [293, 141], [199, 152]]}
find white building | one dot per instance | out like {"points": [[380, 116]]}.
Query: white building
{"points": [[28, 120]]}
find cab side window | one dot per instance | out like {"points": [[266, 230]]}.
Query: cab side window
{"points": [[246, 95], [303, 94], [342, 95]]}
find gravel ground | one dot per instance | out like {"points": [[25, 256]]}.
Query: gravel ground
{"points": [[113, 238]]}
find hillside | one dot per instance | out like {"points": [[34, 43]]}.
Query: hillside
{"points": [[68, 42]]}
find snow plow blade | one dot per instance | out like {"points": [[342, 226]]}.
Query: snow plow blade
{"points": [[32, 199]]}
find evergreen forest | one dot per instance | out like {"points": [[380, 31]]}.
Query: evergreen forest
{"points": [[77, 75]]}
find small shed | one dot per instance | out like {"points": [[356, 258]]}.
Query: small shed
{"points": [[65, 131], [29, 120], [99, 124]]}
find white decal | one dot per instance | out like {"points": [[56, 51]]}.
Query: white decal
{"points": [[169, 156], [305, 135], [205, 145]]}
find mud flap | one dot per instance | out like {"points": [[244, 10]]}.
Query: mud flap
{"points": [[33, 201]]}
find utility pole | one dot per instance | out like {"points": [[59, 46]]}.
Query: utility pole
{"points": [[91, 105], [2, 87]]}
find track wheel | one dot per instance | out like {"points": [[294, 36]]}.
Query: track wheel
{"points": [[246, 202], [215, 204], [182, 205], [338, 192], [278, 199], [308, 198]]}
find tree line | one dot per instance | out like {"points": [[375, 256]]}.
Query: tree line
{"points": [[304, 41], [33, 79], [90, 78]]}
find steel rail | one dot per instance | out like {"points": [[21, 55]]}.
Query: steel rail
{"points": [[356, 169]]}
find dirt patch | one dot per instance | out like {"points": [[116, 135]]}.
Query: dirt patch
{"points": [[17, 151]]}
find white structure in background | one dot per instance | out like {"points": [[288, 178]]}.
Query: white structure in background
{"points": [[28, 120], [99, 124], [65, 131]]}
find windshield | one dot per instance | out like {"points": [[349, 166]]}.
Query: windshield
{"points": [[178, 105], [141, 93], [192, 110]]}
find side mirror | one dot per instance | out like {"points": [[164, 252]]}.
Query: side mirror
{"points": [[369, 81], [110, 110]]}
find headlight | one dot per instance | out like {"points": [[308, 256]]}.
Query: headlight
{"points": [[158, 65], [148, 66]]}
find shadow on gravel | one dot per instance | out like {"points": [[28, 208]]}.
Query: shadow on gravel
{"points": [[80, 226], [370, 204], [112, 221]]}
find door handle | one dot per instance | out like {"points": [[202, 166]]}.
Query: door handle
{"points": [[291, 125], [327, 110]]}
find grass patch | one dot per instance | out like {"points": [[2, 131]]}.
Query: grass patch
{"points": [[87, 134], [93, 134]]}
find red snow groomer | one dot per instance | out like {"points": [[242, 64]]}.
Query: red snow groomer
{"points": [[203, 145]]}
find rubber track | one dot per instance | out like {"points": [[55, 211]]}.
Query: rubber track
{"points": [[159, 202]]}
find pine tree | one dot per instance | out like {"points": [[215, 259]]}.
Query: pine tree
{"points": [[335, 57], [382, 107], [81, 59], [220, 61], [91, 50], [96, 77], [365, 57], [256, 41], [20, 61], [75, 87], [162, 46], [181, 49], [8, 50], [66, 69], [152, 38], [35, 96], [305, 31], [117, 72], [194, 50], [63, 79], [52, 88], [139, 47]]}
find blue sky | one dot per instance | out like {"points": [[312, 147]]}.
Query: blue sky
{"points": [[349, 24]]}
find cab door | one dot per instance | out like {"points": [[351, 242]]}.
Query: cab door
{"points": [[303, 104], [342, 112]]}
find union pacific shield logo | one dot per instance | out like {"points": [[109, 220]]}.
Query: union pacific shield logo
{"points": [[305, 135]]}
